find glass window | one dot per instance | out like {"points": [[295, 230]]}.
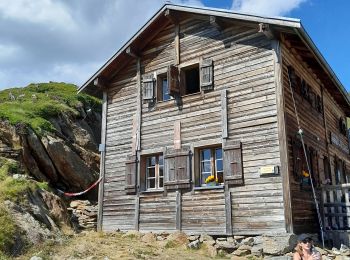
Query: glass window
{"points": [[154, 172], [211, 164]]}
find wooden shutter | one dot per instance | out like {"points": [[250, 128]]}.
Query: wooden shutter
{"points": [[177, 170], [130, 174], [233, 164], [206, 75], [173, 81], [148, 87]]}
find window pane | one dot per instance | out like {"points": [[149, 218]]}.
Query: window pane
{"points": [[160, 182], [151, 183], [220, 177], [151, 173], [218, 153], [151, 161], [205, 154], [166, 96], [206, 167], [160, 161], [219, 166], [161, 171], [204, 176]]}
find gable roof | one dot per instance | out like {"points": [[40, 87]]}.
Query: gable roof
{"points": [[292, 26]]}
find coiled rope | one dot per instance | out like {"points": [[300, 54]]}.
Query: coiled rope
{"points": [[300, 132]]}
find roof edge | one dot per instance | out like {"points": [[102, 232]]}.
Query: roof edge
{"points": [[302, 33], [281, 21]]}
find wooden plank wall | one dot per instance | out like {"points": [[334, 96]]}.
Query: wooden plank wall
{"points": [[244, 65], [119, 208], [204, 212], [316, 135], [163, 207]]}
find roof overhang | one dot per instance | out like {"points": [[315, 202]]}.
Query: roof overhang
{"points": [[158, 21]]}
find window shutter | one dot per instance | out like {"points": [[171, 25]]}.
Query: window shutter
{"points": [[148, 87], [173, 81], [319, 104], [233, 164], [130, 174], [206, 75], [177, 170]]}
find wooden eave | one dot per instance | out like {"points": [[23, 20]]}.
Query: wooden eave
{"points": [[170, 13]]}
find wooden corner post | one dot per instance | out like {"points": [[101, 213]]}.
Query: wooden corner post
{"points": [[102, 150], [282, 135]]}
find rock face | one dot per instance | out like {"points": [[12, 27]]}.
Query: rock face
{"points": [[67, 158], [38, 220]]}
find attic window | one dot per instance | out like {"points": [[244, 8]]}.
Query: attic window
{"points": [[162, 88], [191, 75]]}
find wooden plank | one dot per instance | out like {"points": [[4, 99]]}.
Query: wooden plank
{"points": [[228, 211], [224, 113], [177, 135], [102, 162], [177, 44], [178, 210], [137, 215]]}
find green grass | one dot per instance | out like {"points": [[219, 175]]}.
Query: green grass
{"points": [[7, 231], [36, 104]]}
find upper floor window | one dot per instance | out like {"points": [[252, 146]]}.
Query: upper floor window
{"points": [[178, 81], [162, 88], [154, 172], [211, 164]]}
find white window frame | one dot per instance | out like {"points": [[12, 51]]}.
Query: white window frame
{"points": [[157, 167]]}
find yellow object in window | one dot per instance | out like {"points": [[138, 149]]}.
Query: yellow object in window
{"points": [[210, 178], [306, 174]]}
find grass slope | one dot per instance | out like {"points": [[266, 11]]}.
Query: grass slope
{"points": [[35, 104]]}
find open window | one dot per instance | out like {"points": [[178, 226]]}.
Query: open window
{"points": [[190, 79]]}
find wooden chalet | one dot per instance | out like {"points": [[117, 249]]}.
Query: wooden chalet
{"points": [[199, 92]]}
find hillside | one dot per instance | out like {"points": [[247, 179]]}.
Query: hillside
{"points": [[48, 143]]}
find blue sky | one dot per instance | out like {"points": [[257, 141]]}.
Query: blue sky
{"points": [[64, 40]]}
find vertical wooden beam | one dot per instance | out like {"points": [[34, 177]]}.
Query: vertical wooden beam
{"points": [[282, 135], [178, 210], [228, 211], [137, 212], [177, 135], [177, 44], [138, 123], [224, 113], [134, 134], [102, 162]]}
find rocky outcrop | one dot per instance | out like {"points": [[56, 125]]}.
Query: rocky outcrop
{"points": [[67, 158], [38, 220]]}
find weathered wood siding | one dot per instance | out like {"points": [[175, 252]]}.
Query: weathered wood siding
{"points": [[119, 208], [157, 212], [204, 212], [316, 127], [244, 65]]}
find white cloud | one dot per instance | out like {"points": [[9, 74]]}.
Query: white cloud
{"points": [[266, 7], [46, 12]]}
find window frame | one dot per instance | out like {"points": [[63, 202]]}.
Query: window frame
{"points": [[160, 91], [157, 177], [200, 182]]}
